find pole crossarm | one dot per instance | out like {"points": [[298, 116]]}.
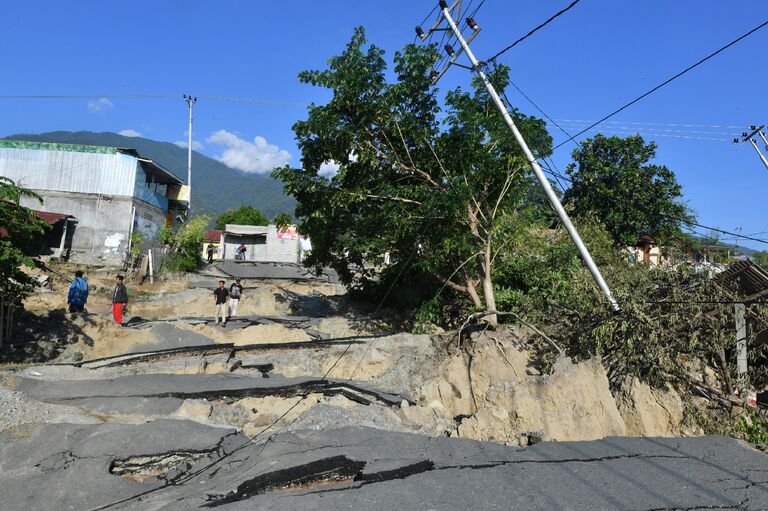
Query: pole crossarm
{"points": [[447, 14]]}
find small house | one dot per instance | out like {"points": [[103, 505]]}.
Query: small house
{"points": [[212, 238], [262, 243]]}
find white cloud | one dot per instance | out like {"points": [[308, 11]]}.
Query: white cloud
{"points": [[258, 156], [99, 105], [195, 144], [329, 168], [129, 133]]}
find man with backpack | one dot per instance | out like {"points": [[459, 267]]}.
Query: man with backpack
{"points": [[235, 293], [78, 293]]}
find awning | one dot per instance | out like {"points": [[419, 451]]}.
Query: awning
{"points": [[51, 218]]}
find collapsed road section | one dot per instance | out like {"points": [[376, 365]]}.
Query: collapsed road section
{"points": [[185, 465]]}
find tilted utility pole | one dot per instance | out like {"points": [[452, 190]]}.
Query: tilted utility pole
{"points": [[477, 68], [750, 137], [190, 101]]}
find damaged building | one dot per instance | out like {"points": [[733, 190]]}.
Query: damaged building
{"points": [[108, 193]]}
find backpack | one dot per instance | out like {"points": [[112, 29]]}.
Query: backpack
{"points": [[81, 292], [234, 291]]}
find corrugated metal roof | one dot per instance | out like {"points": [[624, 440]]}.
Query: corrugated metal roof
{"points": [[744, 279], [51, 146], [246, 229]]}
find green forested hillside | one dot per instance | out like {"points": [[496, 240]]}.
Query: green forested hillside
{"points": [[216, 187]]}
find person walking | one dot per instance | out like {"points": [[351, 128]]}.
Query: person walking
{"points": [[210, 253], [78, 293], [119, 300], [235, 294], [221, 296]]}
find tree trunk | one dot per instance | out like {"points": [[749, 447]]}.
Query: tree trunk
{"points": [[472, 290], [490, 297]]}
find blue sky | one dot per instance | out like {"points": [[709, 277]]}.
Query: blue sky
{"points": [[591, 60]]}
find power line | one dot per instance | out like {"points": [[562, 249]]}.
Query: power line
{"points": [[681, 220], [529, 34], [174, 97], [663, 130], [653, 135], [719, 126], [665, 82]]}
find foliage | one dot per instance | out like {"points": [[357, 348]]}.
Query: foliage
{"points": [[613, 179], [244, 215], [753, 428], [20, 239], [282, 220], [184, 244], [432, 196], [761, 258], [136, 240]]}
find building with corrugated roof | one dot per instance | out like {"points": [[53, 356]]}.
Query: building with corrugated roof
{"points": [[111, 193]]}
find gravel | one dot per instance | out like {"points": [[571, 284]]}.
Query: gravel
{"points": [[17, 408]]}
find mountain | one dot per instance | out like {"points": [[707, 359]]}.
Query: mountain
{"points": [[216, 187]]}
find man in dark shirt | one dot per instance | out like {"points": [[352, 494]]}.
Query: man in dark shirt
{"points": [[221, 295], [119, 300]]}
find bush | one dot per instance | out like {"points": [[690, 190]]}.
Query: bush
{"points": [[184, 244]]}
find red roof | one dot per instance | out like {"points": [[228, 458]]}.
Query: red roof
{"points": [[51, 218], [213, 235]]}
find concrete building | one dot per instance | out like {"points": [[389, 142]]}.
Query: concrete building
{"points": [[111, 193], [263, 243]]}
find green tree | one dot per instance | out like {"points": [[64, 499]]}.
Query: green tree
{"points": [[244, 215], [20, 234], [613, 179], [439, 200], [761, 258], [184, 244], [282, 220]]}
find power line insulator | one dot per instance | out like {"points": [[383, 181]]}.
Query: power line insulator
{"points": [[443, 4], [420, 32], [449, 50], [472, 24]]}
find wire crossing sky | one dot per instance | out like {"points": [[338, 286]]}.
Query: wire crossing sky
{"points": [[124, 70]]}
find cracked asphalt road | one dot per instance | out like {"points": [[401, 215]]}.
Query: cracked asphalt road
{"points": [[67, 466]]}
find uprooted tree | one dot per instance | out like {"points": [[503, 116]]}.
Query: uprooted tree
{"points": [[438, 188]]}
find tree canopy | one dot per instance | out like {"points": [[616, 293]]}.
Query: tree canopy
{"points": [[613, 179], [244, 215], [19, 239], [437, 188]]}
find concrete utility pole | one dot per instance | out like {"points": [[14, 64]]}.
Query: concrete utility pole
{"points": [[477, 68], [750, 137], [190, 101]]}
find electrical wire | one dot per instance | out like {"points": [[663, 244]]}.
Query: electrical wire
{"points": [[227, 99], [250, 441], [718, 126], [529, 34], [665, 82]]}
